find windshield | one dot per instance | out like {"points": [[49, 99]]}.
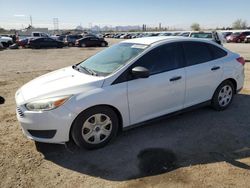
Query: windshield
{"points": [[111, 59], [202, 35]]}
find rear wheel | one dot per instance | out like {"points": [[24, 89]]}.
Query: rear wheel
{"points": [[70, 44], [103, 44], [223, 96], [83, 45], [95, 127]]}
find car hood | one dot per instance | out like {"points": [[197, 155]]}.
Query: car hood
{"points": [[66, 81]]}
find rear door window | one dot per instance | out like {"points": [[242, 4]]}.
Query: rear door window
{"points": [[196, 53]]}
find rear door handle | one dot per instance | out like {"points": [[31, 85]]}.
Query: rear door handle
{"points": [[175, 78], [215, 68]]}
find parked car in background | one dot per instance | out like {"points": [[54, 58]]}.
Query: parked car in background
{"points": [[91, 42], [1, 46], [45, 42], [165, 34], [125, 85], [213, 36], [184, 34], [238, 36], [126, 36], [92, 35], [70, 40], [23, 42], [203, 35], [38, 34], [226, 34], [247, 39], [6, 41], [61, 37]]}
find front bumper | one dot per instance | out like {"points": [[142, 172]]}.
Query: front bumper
{"points": [[46, 126]]}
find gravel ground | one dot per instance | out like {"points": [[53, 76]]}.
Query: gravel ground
{"points": [[201, 148]]}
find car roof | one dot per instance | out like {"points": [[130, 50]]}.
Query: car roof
{"points": [[157, 39]]}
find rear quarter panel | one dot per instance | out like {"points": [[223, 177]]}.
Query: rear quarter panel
{"points": [[233, 69]]}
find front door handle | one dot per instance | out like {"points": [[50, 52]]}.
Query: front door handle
{"points": [[175, 78], [215, 68]]}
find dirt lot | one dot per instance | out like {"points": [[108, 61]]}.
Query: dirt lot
{"points": [[202, 148]]}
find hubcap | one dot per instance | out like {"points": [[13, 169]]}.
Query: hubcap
{"points": [[225, 95], [96, 128]]}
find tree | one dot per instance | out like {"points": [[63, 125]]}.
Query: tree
{"points": [[195, 27], [239, 24]]}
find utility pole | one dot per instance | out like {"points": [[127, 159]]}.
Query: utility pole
{"points": [[56, 24], [31, 21]]}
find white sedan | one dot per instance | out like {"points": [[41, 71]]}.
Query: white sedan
{"points": [[127, 85]]}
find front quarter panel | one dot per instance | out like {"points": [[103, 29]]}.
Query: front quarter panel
{"points": [[113, 95]]}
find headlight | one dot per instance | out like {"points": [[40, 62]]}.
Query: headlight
{"points": [[47, 104]]}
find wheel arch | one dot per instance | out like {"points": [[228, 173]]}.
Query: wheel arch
{"points": [[233, 81], [118, 113]]}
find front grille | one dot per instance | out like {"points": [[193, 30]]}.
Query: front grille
{"points": [[19, 112]]}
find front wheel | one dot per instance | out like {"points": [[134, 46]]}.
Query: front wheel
{"points": [[95, 127], [223, 96]]}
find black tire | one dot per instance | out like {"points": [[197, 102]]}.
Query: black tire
{"points": [[83, 45], [216, 104], [103, 44], [70, 44], [5, 44], [78, 129]]}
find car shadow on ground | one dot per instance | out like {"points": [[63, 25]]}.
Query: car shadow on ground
{"points": [[197, 137]]}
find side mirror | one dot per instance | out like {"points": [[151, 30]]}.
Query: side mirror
{"points": [[140, 72]]}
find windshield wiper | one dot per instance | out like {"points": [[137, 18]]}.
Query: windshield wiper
{"points": [[76, 68], [89, 71]]}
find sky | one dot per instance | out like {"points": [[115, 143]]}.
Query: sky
{"points": [[15, 14]]}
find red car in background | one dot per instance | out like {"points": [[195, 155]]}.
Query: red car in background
{"points": [[238, 36], [23, 42]]}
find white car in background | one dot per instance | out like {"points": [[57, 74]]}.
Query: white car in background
{"points": [[6, 41], [215, 36], [125, 85], [247, 39]]}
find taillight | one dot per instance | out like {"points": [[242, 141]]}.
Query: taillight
{"points": [[241, 60]]}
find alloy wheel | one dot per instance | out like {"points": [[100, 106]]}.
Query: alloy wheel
{"points": [[225, 95]]}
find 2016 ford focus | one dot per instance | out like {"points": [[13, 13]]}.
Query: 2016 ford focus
{"points": [[125, 85]]}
